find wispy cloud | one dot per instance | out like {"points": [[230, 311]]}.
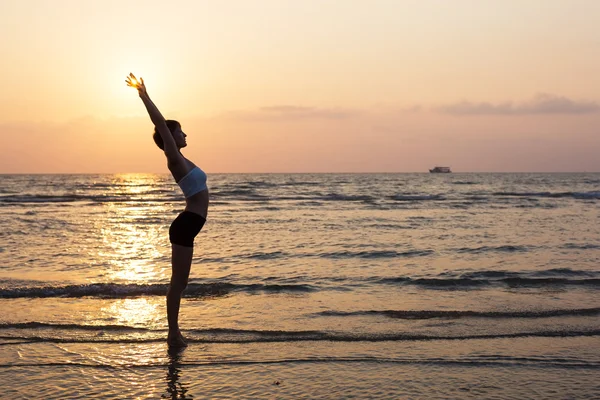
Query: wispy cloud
{"points": [[290, 112], [542, 103]]}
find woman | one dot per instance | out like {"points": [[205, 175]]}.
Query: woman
{"points": [[192, 180]]}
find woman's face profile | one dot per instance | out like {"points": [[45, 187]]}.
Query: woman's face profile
{"points": [[179, 137]]}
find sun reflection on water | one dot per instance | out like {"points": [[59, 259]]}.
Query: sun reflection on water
{"points": [[134, 183], [133, 235], [141, 312]]}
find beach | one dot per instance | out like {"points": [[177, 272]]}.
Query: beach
{"points": [[324, 286]]}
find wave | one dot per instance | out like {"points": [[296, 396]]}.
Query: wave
{"points": [[250, 195], [305, 183], [417, 197], [376, 254], [41, 198], [221, 335], [343, 197], [574, 195], [247, 194], [366, 254], [564, 272], [251, 185], [159, 195], [427, 314], [576, 246], [266, 256], [488, 249], [551, 278], [465, 283], [115, 290], [475, 361], [68, 327], [493, 278]]}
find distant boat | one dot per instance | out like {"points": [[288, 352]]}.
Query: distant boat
{"points": [[440, 170]]}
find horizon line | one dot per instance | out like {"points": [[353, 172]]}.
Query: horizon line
{"points": [[307, 173]]}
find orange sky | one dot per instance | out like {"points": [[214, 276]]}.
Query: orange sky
{"points": [[311, 86]]}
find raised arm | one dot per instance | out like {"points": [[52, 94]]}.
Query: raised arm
{"points": [[170, 147]]}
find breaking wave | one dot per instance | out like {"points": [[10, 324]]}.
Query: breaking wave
{"points": [[452, 314], [223, 335]]}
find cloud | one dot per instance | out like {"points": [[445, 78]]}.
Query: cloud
{"points": [[542, 103], [289, 112]]}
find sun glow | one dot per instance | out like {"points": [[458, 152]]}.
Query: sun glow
{"points": [[113, 95]]}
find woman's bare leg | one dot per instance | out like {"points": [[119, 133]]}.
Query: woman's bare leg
{"points": [[181, 262]]}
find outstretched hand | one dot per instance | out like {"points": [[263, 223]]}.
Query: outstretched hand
{"points": [[133, 82]]}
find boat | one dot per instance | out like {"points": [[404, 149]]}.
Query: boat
{"points": [[440, 170]]}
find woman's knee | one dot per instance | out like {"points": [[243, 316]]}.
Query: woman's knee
{"points": [[177, 286]]}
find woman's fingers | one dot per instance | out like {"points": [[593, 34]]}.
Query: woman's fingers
{"points": [[133, 78], [132, 81], [132, 84]]}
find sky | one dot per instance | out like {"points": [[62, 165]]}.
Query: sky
{"points": [[302, 86]]}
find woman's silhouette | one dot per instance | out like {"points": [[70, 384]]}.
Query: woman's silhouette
{"points": [[192, 180]]}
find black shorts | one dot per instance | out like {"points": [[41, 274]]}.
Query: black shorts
{"points": [[185, 228]]}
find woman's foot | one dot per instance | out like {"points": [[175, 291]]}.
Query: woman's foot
{"points": [[176, 340]]}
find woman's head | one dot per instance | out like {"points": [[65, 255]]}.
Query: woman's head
{"points": [[178, 135]]}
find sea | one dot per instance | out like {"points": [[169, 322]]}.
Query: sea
{"points": [[304, 286]]}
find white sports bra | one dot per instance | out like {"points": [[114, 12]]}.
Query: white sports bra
{"points": [[193, 182]]}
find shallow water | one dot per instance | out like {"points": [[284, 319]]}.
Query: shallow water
{"points": [[304, 285]]}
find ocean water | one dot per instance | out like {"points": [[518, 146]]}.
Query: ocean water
{"points": [[323, 286]]}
